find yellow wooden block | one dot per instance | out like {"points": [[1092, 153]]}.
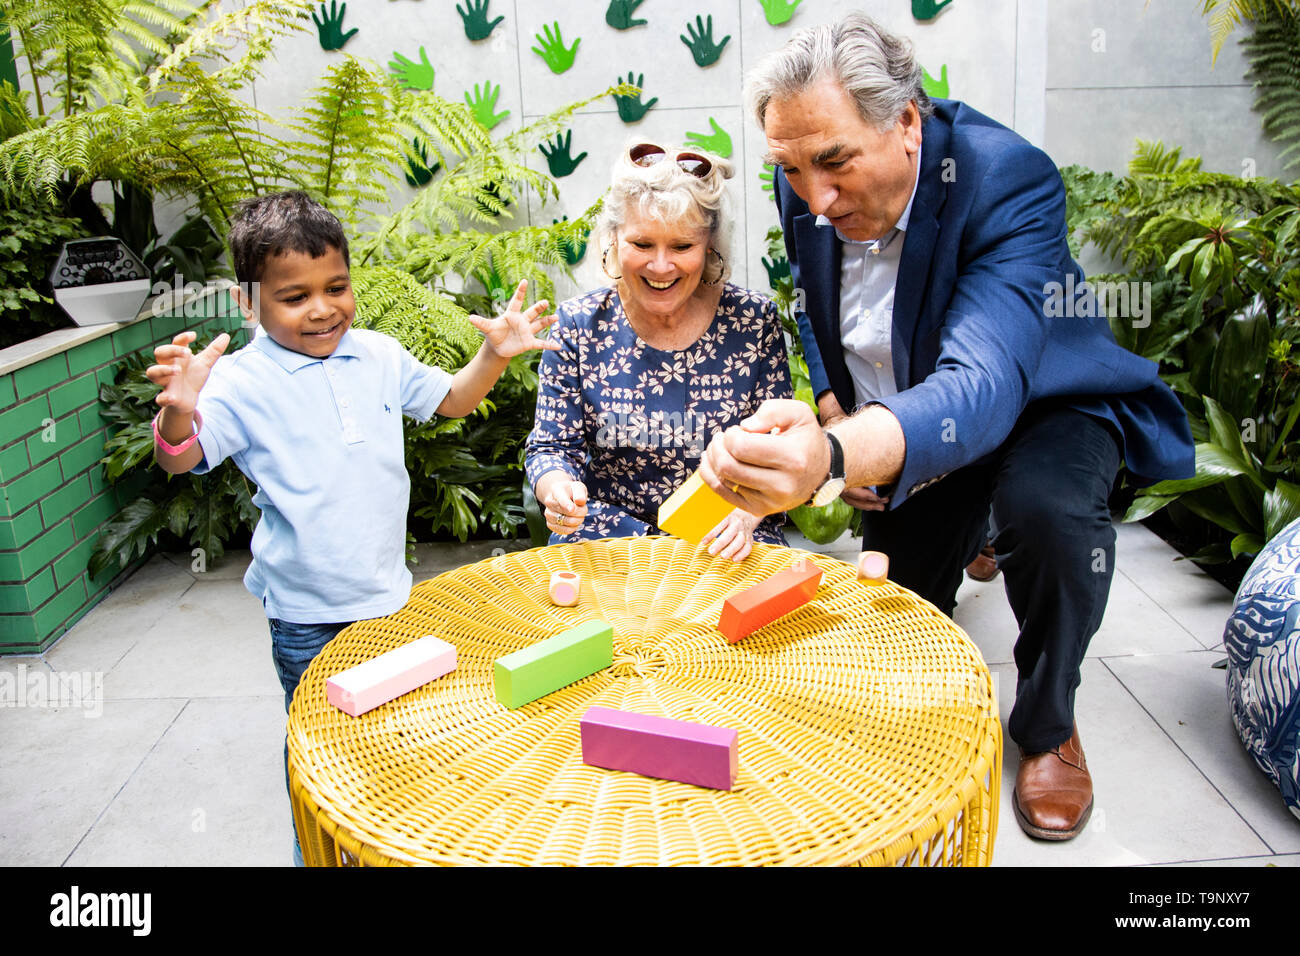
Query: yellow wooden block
{"points": [[693, 510]]}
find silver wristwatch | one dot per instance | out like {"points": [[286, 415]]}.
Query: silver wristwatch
{"points": [[834, 483]]}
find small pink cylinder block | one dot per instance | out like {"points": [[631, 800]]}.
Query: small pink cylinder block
{"points": [[873, 567], [662, 747], [564, 588], [383, 678]]}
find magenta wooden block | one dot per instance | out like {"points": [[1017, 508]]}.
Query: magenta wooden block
{"points": [[661, 747], [380, 679]]}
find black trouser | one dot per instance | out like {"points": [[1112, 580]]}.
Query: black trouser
{"points": [[1047, 487]]}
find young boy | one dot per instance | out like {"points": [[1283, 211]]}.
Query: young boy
{"points": [[311, 410]]}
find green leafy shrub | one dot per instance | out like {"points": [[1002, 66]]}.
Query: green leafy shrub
{"points": [[31, 236], [1219, 257], [203, 511]]}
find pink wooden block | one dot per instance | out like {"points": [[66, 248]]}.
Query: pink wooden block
{"points": [[873, 567], [564, 588], [380, 679], [661, 747]]}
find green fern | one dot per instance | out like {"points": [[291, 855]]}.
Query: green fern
{"points": [[1226, 15], [1274, 54], [431, 327], [1163, 197]]}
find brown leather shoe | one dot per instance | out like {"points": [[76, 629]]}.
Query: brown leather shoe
{"points": [[1053, 795], [985, 565]]}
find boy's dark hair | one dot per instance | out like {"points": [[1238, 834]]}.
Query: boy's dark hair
{"points": [[279, 223]]}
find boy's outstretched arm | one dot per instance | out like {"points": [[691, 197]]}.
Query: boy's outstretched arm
{"points": [[182, 375], [504, 337]]}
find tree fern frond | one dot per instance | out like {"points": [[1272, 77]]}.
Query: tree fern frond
{"points": [[1226, 15], [431, 327], [1274, 53], [349, 146], [253, 28]]}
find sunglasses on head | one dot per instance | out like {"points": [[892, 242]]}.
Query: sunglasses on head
{"points": [[648, 154]]}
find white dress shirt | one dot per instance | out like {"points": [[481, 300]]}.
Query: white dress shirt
{"points": [[868, 274]]}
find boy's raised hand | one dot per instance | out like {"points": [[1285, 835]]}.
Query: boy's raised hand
{"points": [[514, 331], [181, 373]]}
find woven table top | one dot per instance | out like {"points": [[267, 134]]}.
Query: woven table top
{"points": [[867, 723]]}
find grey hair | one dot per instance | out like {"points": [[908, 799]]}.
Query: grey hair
{"points": [[877, 69], [671, 195]]}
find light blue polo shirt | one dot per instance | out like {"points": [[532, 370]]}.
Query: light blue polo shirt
{"points": [[322, 439]]}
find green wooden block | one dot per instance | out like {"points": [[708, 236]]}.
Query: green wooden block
{"points": [[72, 395], [553, 663], [23, 491], [66, 500], [13, 461], [24, 419], [90, 355], [20, 530], [43, 375]]}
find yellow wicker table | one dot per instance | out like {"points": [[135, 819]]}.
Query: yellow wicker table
{"points": [[868, 728]]}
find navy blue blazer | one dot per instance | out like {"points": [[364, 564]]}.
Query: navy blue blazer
{"points": [[975, 339]]}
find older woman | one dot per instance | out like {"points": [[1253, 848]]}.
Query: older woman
{"points": [[649, 369]]}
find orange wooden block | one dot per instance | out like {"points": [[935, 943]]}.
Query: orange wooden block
{"points": [[873, 567], [746, 611]]}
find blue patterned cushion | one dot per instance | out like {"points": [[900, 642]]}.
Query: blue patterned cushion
{"points": [[1263, 641]]}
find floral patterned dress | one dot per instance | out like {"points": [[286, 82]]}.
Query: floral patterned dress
{"points": [[631, 421]]}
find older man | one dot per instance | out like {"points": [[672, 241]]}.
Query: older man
{"points": [[929, 243]]}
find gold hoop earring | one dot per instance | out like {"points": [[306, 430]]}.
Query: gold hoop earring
{"points": [[722, 268], [604, 263]]}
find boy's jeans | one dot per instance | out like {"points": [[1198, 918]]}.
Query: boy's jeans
{"points": [[293, 647]]}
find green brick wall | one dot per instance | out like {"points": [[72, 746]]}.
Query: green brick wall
{"points": [[53, 494]]}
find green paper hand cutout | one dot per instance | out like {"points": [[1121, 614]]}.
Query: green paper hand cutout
{"points": [[551, 49], [493, 190], [630, 108], [557, 157], [777, 269], [767, 178], [701, 42], [717, 142], [419, 173], [412, 75], [573, 249], [780, 11], [933, 87], [475, 19], [329, 27], [927, 9], [619, 14], [484, 105]]}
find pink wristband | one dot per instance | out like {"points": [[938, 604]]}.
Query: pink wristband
{"points": [[183, 446]]}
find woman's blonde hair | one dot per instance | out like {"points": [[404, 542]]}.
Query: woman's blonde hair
{"points": [[668, 193]]}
